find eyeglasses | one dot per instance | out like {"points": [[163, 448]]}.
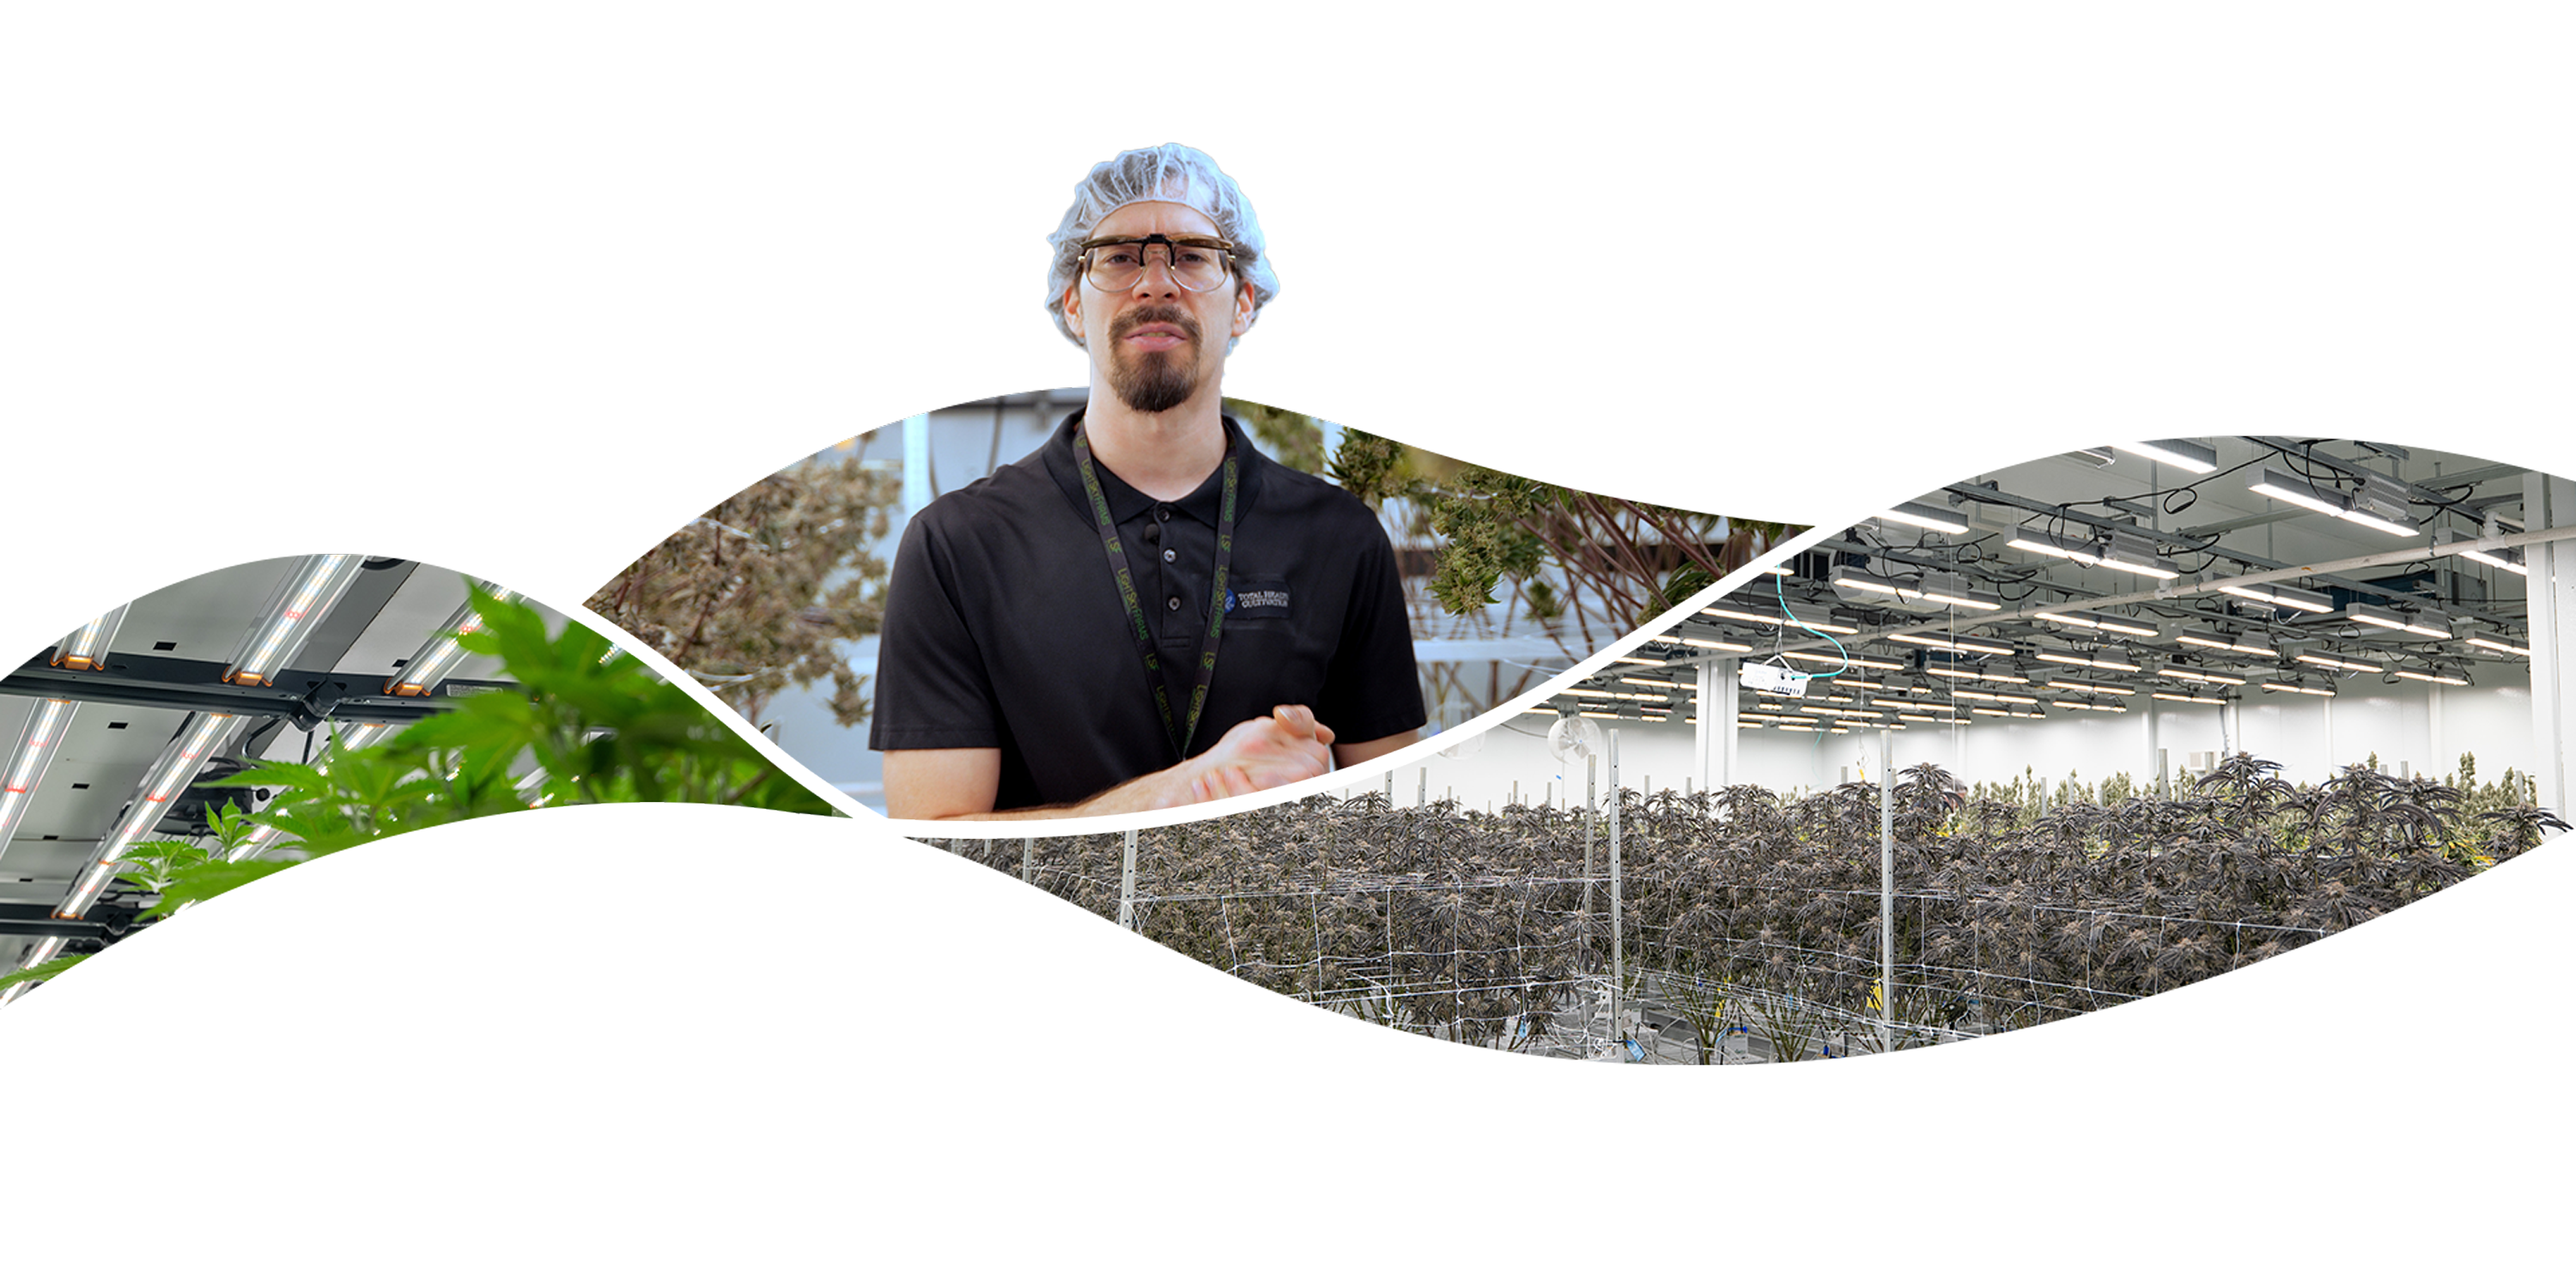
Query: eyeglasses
{"points": [[1196, 263]]}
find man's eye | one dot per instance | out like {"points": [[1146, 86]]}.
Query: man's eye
{"points": [[1194, 255], [1119, 257]]}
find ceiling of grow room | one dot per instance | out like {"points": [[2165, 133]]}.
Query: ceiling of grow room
{"points": [[96, 719], [2185, 571]]}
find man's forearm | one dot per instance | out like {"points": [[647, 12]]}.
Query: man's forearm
{"points": [[1151, 791]]}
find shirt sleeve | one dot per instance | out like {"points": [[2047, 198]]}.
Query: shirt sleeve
{"points": [[932, 690], [1371, 688]]}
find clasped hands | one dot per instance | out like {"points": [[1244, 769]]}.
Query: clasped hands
{"points": [[1284, 747]]}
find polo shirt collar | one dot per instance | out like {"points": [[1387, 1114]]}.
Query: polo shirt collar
{"points": [[1126, 503]]}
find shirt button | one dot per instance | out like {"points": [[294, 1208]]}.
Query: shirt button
{"points": [[1169, 555], [1174, 603], [1164, 514]]}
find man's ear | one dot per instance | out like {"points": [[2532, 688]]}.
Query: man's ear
{"points": [[1243, 310], [1072, 306]]}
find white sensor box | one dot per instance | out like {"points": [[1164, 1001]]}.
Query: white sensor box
{"points": [[1773, 679]]}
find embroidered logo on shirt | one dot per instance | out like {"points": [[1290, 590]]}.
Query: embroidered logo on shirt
{"points": [[1256, 599]]}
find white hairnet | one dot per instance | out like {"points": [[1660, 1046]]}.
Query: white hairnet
{"points": [[1174, 173]]}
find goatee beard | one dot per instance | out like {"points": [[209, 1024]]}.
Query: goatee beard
{"points": [[1156, 383]]}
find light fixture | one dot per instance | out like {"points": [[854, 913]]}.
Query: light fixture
{"points": [[2040, 541], [299, 604], [2256, 645], [38, 741], [2197, 676], [1849, 578], [1772, 619], [1926, 516], [2284, 686], [2108, 660], [1723, 646], [2078, 686], [2508, 559], [2372, 508], [169, 776], [2494, 644], [1955, 673], [2018, 699], [2432, 677], [1951, 588], [434, 660], [2287, 597], [2129, 552], [2177, 452], [1954, 644], [1858, 684], [2074, 705], [2339, 663], [86, 649], [2163, 695], [1866, 663]]}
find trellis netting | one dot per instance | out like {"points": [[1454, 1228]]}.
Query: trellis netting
{"points": [[1749, 923]]}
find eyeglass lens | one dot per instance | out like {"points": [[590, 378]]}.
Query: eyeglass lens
{"points": [[1116, 265]]}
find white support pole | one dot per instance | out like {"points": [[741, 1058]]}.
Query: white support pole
{"points": [[2155, 757], [1127, 885], [1390, 789], [1028, 859], [2550, 591], [1422, 788], [1705, 755], [1886, 887], [1618, 952]]}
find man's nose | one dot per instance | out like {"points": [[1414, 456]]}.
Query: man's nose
{"points": [[1145, 277]]}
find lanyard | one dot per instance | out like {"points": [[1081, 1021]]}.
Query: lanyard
{"points": [[1135, 611]]}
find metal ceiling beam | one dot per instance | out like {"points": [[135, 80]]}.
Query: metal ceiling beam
{"points": [[183, 684], [2208, 585], [1997, 496]]}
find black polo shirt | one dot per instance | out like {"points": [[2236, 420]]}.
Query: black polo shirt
{"points": [[1004, 627]]}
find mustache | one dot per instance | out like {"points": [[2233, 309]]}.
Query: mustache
{"points": [[1165, 314]]}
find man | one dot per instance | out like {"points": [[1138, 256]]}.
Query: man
{"points": [[1147, 611]]}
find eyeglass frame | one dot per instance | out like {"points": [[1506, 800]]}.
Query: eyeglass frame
{"points": [[1233, 261]]}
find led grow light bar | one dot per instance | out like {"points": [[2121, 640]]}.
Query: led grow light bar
{"points": [[2190, 697], [429, 666], [1955, 644], [1773, 619], [2178, 452], [86, 649], [2128, 553], [2103, 663], [38, 740], [168, 778], [2228, 644], [301, 601], [2431, 677], [2038, 541], [2077, 686], [2198, 676], [2509, 560], [1828, 659], [1952, 589], [1723, 645], [1846, 579], [2282, 686], [2074, 705], [2494, 644], [2367, 510], [2295, 600], [2342, 664], [1926, 516]]}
